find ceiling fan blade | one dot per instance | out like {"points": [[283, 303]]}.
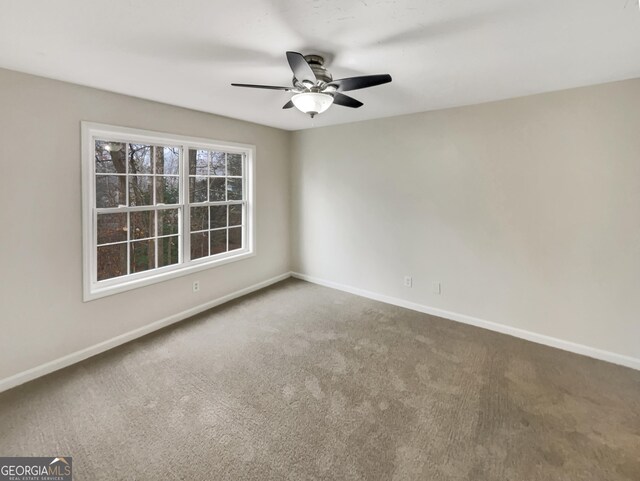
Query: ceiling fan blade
{"points": [[363, 82], [288, 105], [346, 101], [300, 68], [269, 87]]}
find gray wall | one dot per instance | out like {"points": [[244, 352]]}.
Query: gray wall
{"points": [[42, 313], [526, 210]]}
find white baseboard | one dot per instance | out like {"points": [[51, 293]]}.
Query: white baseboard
{"points": [[49, 367], [593, 352]]}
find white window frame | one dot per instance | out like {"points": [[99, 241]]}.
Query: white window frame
{"points": [[90, 132]]}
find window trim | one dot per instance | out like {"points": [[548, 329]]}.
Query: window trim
{"points": [[92, 289]]}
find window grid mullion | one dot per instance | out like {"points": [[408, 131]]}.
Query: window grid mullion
{"points": [[128, 243], [186, 218], [154, 178], [94, 227], [154, 199], [126, 172], [208, 227], [243, 212], [135, 208], [217, 202], [155, 237]]}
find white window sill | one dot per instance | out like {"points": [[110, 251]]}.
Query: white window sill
{"points": [[107, 288]]}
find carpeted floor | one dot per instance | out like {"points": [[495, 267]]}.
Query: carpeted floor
{"points": [[299, 382]]}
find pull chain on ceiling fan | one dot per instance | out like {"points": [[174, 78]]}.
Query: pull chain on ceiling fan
{"points": [[314, 88]]}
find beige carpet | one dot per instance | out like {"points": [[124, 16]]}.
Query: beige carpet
{"points": [[299, 382]]}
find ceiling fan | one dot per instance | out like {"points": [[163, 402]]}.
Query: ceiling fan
{"points": [[314, 88]]}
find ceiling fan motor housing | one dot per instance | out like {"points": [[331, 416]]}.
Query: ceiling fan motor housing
{"points": [[316, 62]]}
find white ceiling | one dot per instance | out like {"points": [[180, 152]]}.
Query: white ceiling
{"points": [[440, 53]]}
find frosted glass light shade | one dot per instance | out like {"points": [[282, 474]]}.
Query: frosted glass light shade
{"points": [[312, 102]]}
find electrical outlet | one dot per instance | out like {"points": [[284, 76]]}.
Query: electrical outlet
{"points": [[196, 286], [437, 288], [408, 281]]}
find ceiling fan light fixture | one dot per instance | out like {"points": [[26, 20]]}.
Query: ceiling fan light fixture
{"points": [[312, 103]]}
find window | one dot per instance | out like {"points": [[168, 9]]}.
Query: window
{"points": [[157, 206]]}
